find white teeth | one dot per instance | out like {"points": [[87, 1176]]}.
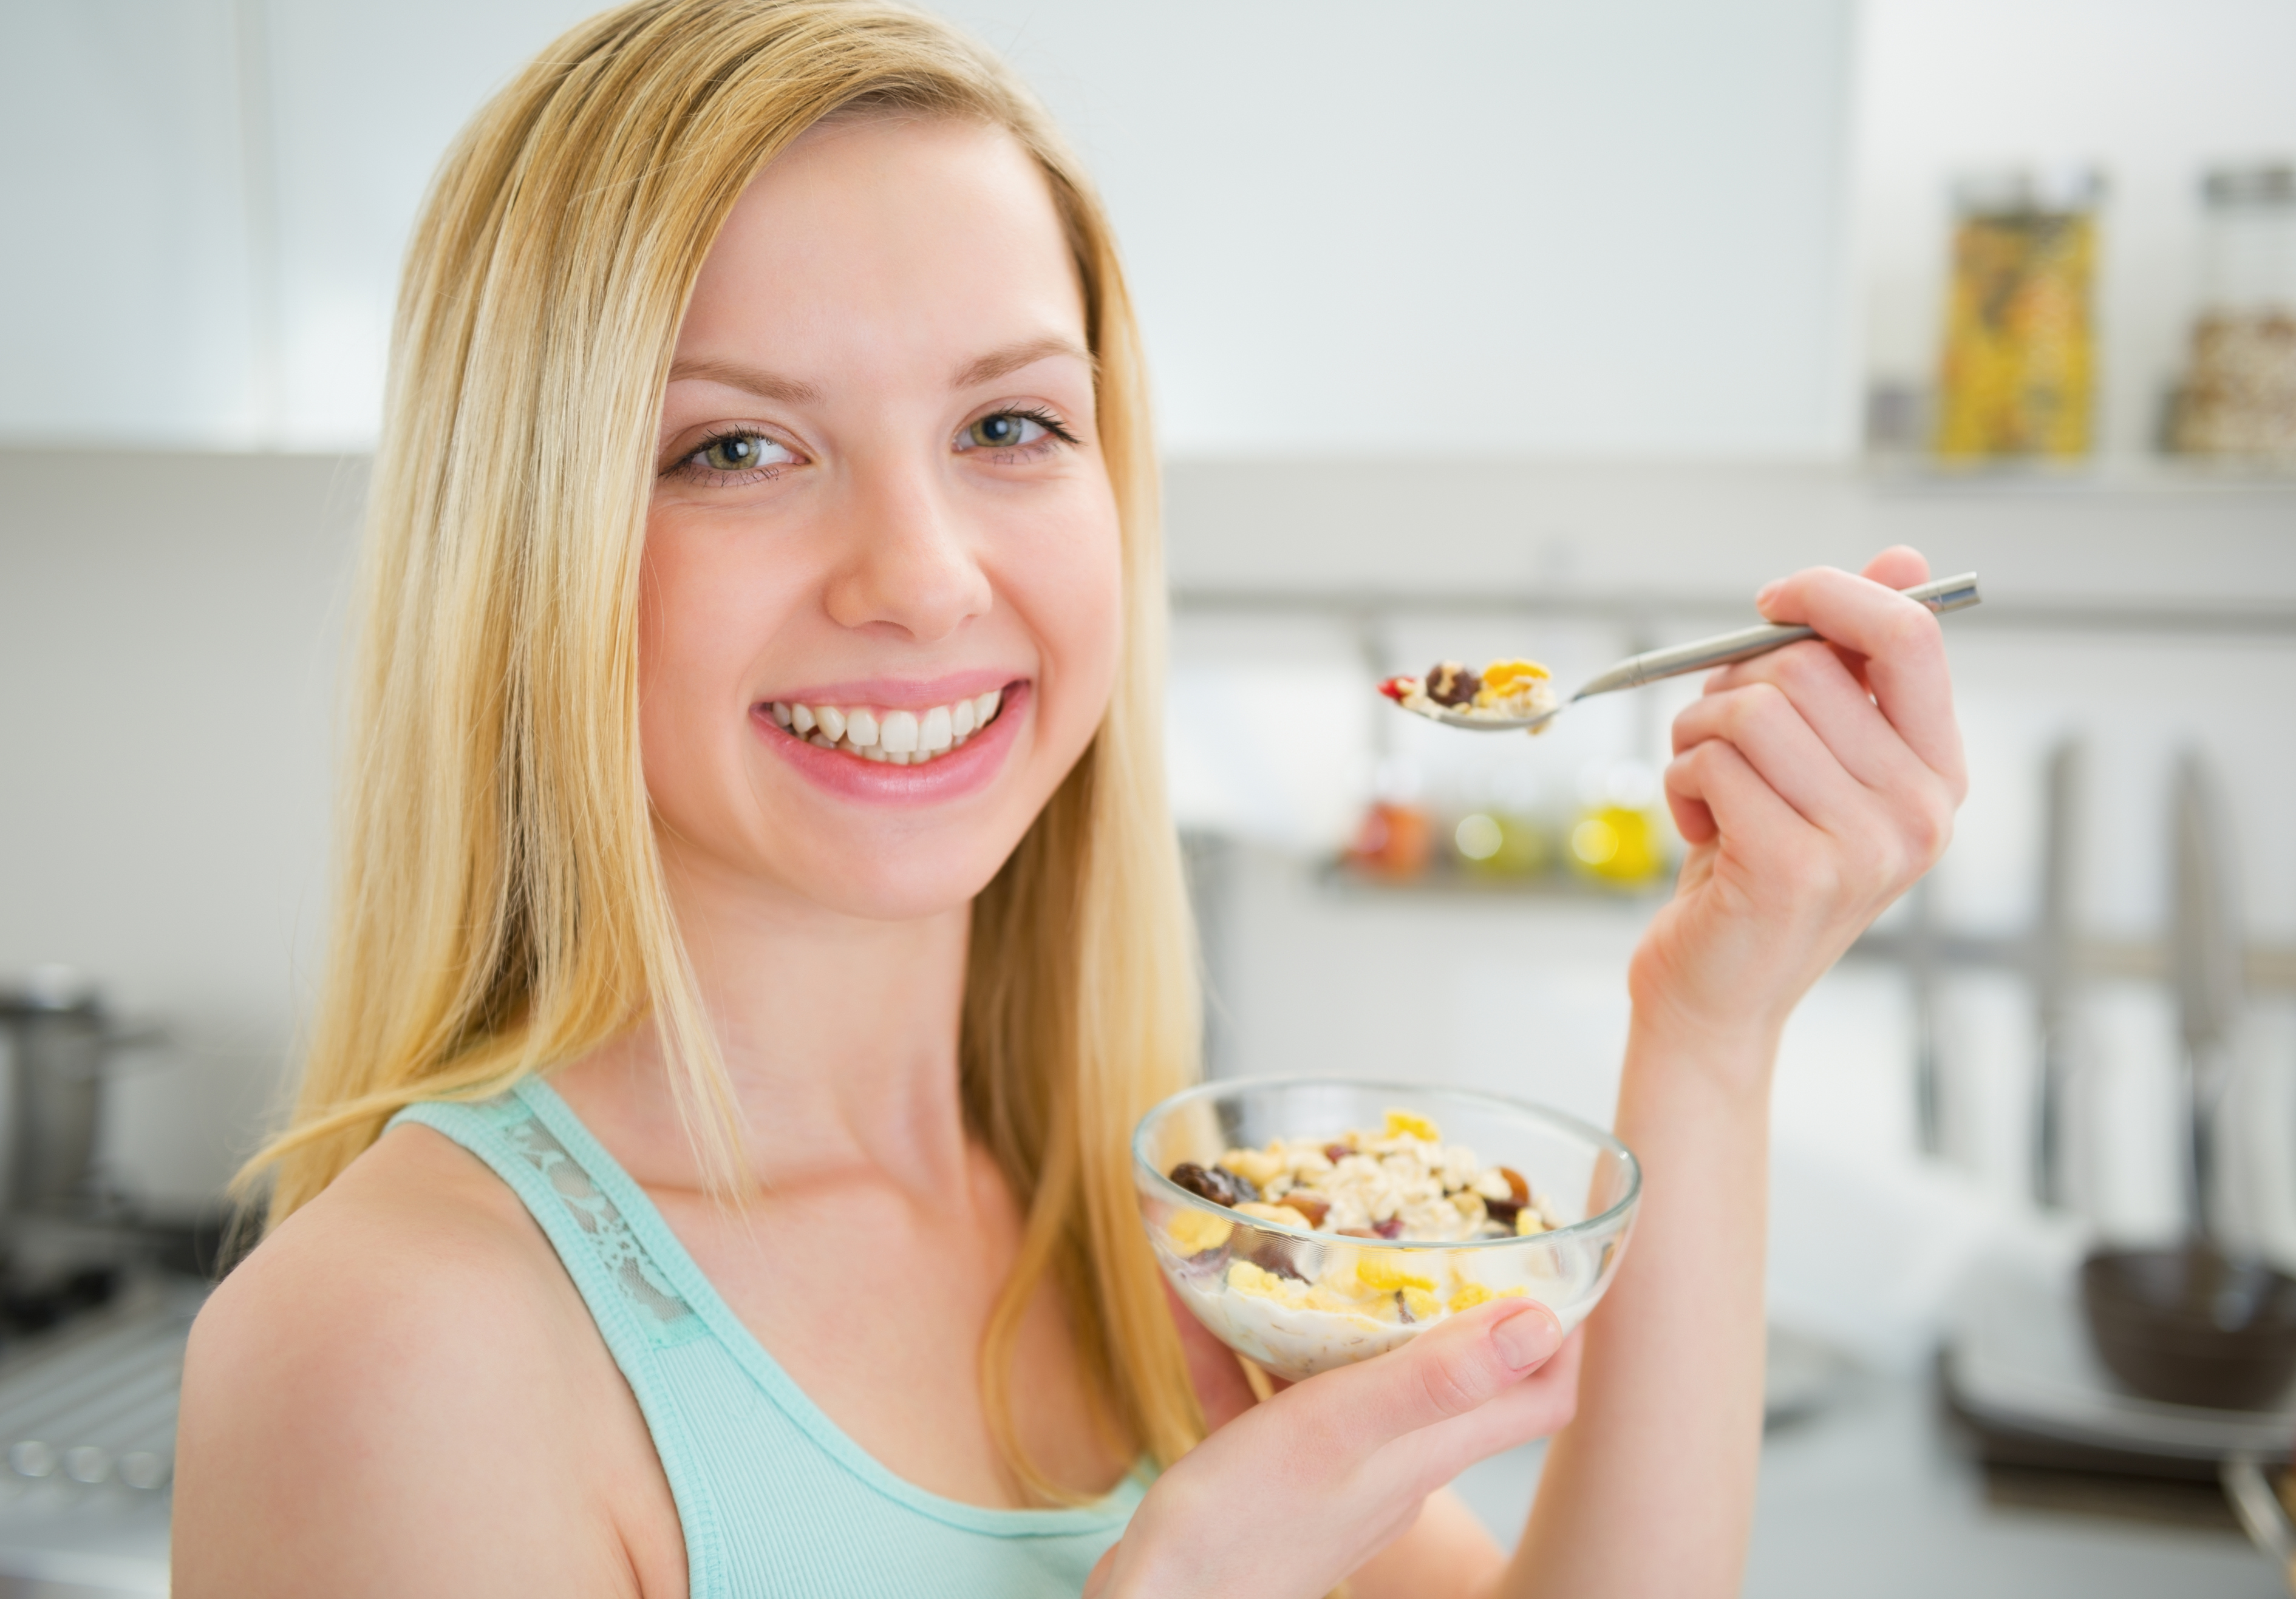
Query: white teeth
{"points": [[901, 737]]}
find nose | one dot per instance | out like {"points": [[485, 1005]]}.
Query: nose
{"points": [[909, 568]]}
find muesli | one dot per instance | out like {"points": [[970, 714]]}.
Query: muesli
{"points": [[1507, 690], [1299, 1309]]}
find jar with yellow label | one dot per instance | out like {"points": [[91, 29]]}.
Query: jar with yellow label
{"points": [[1620, 838], [2018, 374]]}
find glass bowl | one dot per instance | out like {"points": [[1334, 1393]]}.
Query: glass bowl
{"points": [[1300, 1301]]}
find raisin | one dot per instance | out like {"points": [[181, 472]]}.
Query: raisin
{"points": [[1336, 1153], [1503, 1210], [1216, 1183], [1448, 683], [1392, 1228]]}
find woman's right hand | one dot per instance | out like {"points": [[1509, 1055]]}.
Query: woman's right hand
{"points": [[1289, 1496]]}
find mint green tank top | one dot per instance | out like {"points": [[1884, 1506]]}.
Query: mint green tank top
{"points": [[772, 1497]]}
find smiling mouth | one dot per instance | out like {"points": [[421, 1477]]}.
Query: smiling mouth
{"points": [[895, 738]]}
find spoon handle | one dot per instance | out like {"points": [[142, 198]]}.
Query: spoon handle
{"points": [[1946, 595]]}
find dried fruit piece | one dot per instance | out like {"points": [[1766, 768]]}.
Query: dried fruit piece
{"points": [[1309, 1203], [1385, 1273], [1448, 683], [1400, 688], [1192, 1232], [1244, 1277], [1517, 1184], [1407, 1124], [1500, 676], [1217, 1184], [1469, 1296], [1282, 1215]]}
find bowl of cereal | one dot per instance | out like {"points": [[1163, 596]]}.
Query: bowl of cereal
{"points": [[1311, 1223]]}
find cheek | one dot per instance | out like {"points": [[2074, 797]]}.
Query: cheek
{"points": [[691, 621], [1075, 594]]}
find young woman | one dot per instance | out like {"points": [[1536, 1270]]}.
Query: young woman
{"points": [[710, 1173]]}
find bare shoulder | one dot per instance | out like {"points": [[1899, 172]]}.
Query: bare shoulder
{"points": [[398, 1391]]}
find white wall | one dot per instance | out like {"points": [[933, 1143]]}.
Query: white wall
{"points": [[1355, 231], [168, 638]]}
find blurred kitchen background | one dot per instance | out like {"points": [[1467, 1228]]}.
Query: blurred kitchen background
{"points": [[1479, 330]]}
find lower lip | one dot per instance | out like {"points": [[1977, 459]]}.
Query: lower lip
{"points": [[966, 770]]}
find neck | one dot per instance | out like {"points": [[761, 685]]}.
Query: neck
{"points": [[839, 1036]]}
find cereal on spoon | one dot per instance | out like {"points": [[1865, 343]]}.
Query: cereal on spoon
{"points": [[1508, 690]]}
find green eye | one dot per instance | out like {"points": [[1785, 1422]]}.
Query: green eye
{"points": [[740, 452], [1005, 431]]}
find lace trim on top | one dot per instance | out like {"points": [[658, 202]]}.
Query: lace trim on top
{"points": [[662, 1312]]}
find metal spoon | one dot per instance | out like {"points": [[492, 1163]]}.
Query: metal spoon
{"points": [[1946, 595]]}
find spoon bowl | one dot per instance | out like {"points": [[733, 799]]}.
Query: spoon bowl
{"points": [[1943, 595]]}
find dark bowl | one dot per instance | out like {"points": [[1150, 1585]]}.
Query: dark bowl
{"points": [[2191, 1327]]}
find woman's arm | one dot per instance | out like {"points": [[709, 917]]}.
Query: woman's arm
{"points": [[1814, 786]]}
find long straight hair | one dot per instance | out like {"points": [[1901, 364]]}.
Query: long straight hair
{"points": [[499, 900]]}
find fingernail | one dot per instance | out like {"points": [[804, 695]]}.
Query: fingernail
{"points": [[1767, 592], [1527, 1337]]}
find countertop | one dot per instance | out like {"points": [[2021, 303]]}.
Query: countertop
{"points": [[1878, 1494]]}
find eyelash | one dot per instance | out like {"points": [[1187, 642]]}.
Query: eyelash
{"points": [[1054, 429], [689, 465]]}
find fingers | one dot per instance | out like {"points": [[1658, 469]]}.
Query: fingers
{"points": [[1536, 1406], [1715, 780], [1774, 734], [1902, 648], [1836, 705], [1900, 567], [1447, 1372]]}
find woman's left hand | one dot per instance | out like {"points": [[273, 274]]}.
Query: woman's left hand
{"points": [[1814, 785]]}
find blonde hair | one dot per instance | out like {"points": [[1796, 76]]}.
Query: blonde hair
{"points": [[500, 906]]}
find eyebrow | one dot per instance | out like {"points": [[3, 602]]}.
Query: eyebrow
{"points": [[751, 380], [1012, 358], [792, 391]]}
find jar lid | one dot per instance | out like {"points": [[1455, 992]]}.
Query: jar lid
{"points": [[2256, 183], [2029, 191], [48, 991]]}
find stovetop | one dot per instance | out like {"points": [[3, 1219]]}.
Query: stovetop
{"points": [[87, 1436]]}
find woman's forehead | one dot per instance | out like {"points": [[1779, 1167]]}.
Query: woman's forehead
{"points": [[885, 231]]}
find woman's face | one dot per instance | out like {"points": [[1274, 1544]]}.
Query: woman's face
{"points": [[881, 498]]}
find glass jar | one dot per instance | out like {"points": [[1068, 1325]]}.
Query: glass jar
{"points": [[2018, 373], [2239, 398]]}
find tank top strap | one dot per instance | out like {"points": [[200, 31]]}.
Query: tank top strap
{"points": [[570, 1185]]}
